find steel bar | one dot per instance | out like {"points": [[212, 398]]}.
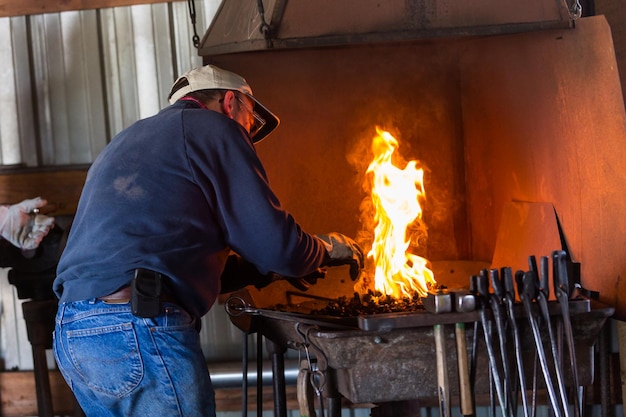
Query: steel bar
{"points": [[474, 352], [543, 292], [527, 295], [561, 288], [483, 291], [509, 298], [498, 312]]}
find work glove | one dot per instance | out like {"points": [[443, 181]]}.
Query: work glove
{"points": [[239, 273], [341, 250], [301, 283], [23, 226]]}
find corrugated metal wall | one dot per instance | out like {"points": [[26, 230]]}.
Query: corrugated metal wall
{"points": [[68, 82]]}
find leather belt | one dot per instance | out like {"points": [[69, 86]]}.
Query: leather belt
{"points": [[123, 296]]}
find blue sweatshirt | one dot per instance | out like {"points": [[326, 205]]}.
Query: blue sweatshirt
{"points": [[175, 193]]}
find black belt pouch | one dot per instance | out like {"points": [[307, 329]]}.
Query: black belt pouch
{"points": [[145, 298]]}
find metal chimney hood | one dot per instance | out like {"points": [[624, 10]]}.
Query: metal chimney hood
{"points": [[255, 25]]}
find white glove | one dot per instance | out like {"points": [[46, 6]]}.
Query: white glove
{"points": [[21, 224]]}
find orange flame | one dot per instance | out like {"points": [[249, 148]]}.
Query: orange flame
{"points": [[396, 196]]}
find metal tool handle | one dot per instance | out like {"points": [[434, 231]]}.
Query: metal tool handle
{"points": [[482, 283], [509, 285], [473, 284], [532, 263], [561, 288], [561, 278], [544, 277], [496, 283], [519, 280], [318, 382], [507, 277], [529, 291]]}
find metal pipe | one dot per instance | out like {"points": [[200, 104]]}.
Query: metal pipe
{"points": [[230, 374]]}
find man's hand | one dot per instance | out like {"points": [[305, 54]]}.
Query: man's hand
{"points": [[305, 282], [23, 226], [341, 250], [239, 273]]}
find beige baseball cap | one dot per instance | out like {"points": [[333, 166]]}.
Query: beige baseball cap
{"points": [[210, 77]]}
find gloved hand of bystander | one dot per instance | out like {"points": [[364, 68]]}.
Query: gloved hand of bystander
{"points": [[341, 250], [22, 225]]}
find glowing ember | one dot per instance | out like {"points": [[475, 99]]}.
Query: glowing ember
{"points": [[396, 195]]}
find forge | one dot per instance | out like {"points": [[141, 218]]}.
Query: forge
{"points": [[516, 114]]}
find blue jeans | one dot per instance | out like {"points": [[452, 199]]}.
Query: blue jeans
{"points": [[118, 364]]}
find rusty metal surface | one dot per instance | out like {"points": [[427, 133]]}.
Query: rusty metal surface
{"points": [[399, 364], [557, 148], [384, 322], [300, 23]]}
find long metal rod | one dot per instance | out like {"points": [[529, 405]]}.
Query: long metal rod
{"points": [[492, 359], [561, 288], [482, 286], [542, 299], [230, 375], [527, 295], [543, 304], [499, 315], [509, 302]]}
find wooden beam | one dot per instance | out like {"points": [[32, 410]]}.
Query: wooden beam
{"points": [[26, 7], [61, 187]]}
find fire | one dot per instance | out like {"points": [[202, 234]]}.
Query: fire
{"points": [[397, 196]]}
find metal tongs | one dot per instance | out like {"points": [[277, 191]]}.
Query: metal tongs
{"points": [[527, 284], [562, 292], [542, 278]]}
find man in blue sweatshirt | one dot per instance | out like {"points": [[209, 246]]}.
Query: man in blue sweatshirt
{"points": [[173, 211]]}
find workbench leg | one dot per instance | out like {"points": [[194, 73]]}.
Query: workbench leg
{"points": [[42, 382], [333, 399], [39, 318], [621, 334], [277, 353]]}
